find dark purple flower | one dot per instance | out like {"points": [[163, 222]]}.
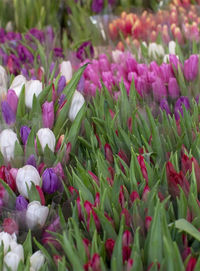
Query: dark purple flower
{"points": [[7, 112], [85, 51], [24, 133], [13, 64], [61, 99], [24, 54], [12, 100], [179, 106], [81, 84], [97, 5], [165, 106], [58, 52], [36, 33], [21, 203], [61, 84], [31, 160], [50, 181]]}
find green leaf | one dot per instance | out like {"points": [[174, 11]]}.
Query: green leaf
{"points": [[42, 96], [106, 225], [18, 156], [12, 196], [21, 108], [27, 245], [184, 225]]}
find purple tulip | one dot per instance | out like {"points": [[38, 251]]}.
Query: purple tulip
{"points": [[58, 52], [61, 84], [191, 67], [85, 48], [12, 100], [7, 112], [97, 5], [173, 88], [141, 86], [159, 89], [31, 160], [81, 84], [48, 114], [50, 181], [179, 106], [24, 133], [165, 72], [62, 99], [174, 62], [21, 203], [36, 33], [24, 54], [49, 34], [165, 106]]}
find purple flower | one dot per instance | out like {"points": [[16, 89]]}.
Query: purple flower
{"points": [[62, 99], [49, 34], [159, 89], [50, 181], [48, 114], [173, 88], [81, 84], [58, 52], [191, 67], [85, 51], [36, 33], [165, 106], [61, 84], [24, 133], [179, 106], [21, 203], [7, 112], [31, 160], [24, 54], [97, 5], [12, 100]]}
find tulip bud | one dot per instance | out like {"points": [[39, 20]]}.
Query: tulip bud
{"points": [[50, 181], [7, 144], [172, 47], [46, 137], [31, 161], [110, 243], [21, 203], [95, 262], [173, 88], [134, 195], [76, 105], [7, 112], [11, 260], [7, 177], [32, 87], [12, 100], [25, 176], [48, 114], [3, 81], [6, 239], [36, 215], [108, 153], [165, 106], [10, 226], [61, 84], [191, 264], [66, 70], [37, 260], [179, 106], [17, 84], [127, 239], [24, 133], [191, 67]]}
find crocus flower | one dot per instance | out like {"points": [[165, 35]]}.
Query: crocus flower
{"points": [[21, 203], [36, 215], [33, 87], [24, 133], [48, 114], [25, 177], [8, 138], [7, 112], [46, 137], [37, 260], [17, 84], [191, 67], [76, 105], [50, 181]]}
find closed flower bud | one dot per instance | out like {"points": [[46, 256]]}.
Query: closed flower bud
{"points": [[48, 114], [7, 144], [12, 100], [76, 104], [11, 260], [37, 260], [46, 137], [172, 47], [3, 81], [173, 88], [24, 133], [191, 67], [6, 239], [32, 87], [17, 84], [10, 226], [21, 203], [66, 70], [25, 176], [50, 181], [36, 215], [61, 84], [7, 113]]}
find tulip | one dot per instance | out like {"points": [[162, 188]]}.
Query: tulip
{"points": [[143, 168], [37, 260], [36, 215], [12, 100], [8, 138], [7, 112], [134, 195], [24, 133], [6, 239], [127, 239], [173, 88], [76, 105], [66, 70], [25, 176], [179, 106], [116, 55], [3, 81], [50, 181], [191, 264], [48, 114], [17, 84], [11, 260], [61, 84], [110, 243], [191, 67], [17, 249], [31, 161], [108, 153], [97, 6], [172, 47], [155, 50], [7, 177], [32, 87], [21, 203], [46, 137], [159, 89], [165, 106]]}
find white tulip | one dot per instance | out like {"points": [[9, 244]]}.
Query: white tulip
{"points": [[116, 55], [155, 50], [32, 87], [12, 261], [25, 176], [46, 137], [6, 239], [3, 81], [7, 144], [17, 249], [17, 84], [37, 260], [66, 70], [166, 58], [36, 215], [76, 104], [172, 47]]}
